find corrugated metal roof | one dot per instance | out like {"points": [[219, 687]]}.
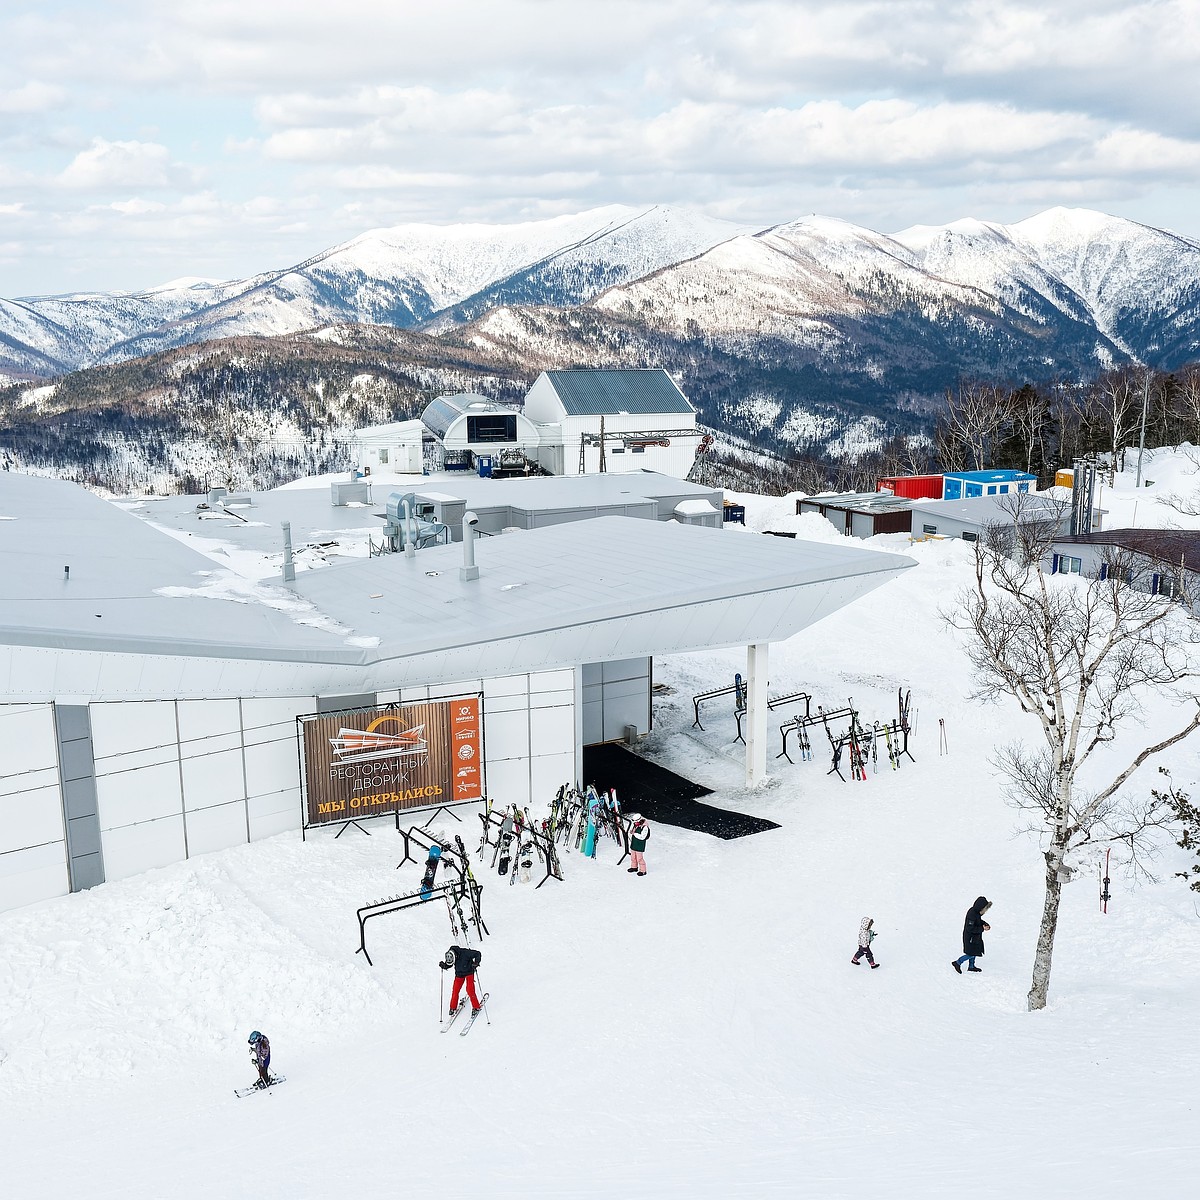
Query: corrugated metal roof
{"points": [[1169, 545], [591, 393]]}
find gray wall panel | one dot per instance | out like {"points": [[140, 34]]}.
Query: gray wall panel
{"points": [[77, 770]]}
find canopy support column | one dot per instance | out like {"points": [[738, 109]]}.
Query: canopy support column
{"points": [[756, 713]]}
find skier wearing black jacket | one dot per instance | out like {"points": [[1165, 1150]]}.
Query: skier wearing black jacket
{"points": [[973, 928], [465, 963]]}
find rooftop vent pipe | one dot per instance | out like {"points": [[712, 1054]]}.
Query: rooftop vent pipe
{"points": [[289, 565], [469, 570]]}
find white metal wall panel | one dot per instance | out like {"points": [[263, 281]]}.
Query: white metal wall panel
{"points": [[213, 779], [207, 718], [216, 828], [273, 813], [145, 794], [37, 873], [27, 741], [547, 772], [506, 734], [137, 848], [552, 730], [508, 780], [283, 710], [271, 766], [31, 817], [120, 727]]}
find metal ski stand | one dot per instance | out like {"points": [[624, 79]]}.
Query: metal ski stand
{"points": [[420, 836], [801, 725], [703, 696], [904, 727], [380, 908], [772, 704], [525, 835]]}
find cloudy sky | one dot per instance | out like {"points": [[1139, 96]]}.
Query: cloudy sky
{"points": [[141, 141]]}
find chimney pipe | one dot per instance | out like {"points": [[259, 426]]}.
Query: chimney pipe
{"points": [[469, 570], [410, 547]]}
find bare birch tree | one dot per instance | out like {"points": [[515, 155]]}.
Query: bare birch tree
{"points": [[1077, 656], [967, 427]]}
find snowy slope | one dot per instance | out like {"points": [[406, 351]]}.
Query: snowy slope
{"points": [[398, 276], [699, 1032]]}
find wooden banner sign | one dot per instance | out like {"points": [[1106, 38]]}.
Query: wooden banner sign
{"points": [[368, 761]]}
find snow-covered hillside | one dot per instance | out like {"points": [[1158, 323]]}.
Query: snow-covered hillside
{"points": [[399, 276], [1069, 289], [698, 1032]]}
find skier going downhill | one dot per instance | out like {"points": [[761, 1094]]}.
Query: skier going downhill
{"points": [[465, 961], [260, 1054], [973, 929], [866, 935]]}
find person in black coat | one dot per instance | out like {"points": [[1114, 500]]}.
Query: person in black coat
{"points": [[464, 960], [973, 928]]}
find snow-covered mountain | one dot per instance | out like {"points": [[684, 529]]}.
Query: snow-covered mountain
{"points": [[402, 276], [1067, 291]]}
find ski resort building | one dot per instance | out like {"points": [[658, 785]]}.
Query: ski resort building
{"points": [[613, 421], [156, 704], [1165, 562], [967, 519], [469, 429], [395, 448]]}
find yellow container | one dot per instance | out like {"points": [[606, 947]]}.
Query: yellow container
{"points": [[1064, 478]]}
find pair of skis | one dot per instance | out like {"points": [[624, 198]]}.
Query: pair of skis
{"points": [[449, 1021], [259, 1087]]}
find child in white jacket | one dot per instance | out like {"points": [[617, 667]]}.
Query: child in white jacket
{"points": [[866, 935]]}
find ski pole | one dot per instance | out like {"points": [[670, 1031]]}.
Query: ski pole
{"points": [[483, 1003], [441, 994]]}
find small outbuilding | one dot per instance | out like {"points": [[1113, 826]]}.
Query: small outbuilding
{"points": [[395, 448], [966, 485], [861, 514], [967, 519]]}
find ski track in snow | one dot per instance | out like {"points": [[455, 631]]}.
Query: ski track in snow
{"points": [[699, 1032]]}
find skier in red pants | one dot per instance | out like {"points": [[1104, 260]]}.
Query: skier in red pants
{"points": [[465, 961]]}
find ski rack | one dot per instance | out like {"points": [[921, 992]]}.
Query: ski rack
{"points": [[542, 844], [391, 904], [808, 721], [776, 702], [699, 699], [466, 883]]}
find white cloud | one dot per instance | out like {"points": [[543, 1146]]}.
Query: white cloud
{"points": [[309, 122], [32, 97], [104, 165]]}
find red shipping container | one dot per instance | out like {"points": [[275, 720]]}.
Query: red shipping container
{"points": [[913, 487]]}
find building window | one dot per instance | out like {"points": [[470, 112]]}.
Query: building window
{"points": [[1065, 564], [968, 536], [929, 529], [991, 489], [1169, 586], [493, 427], [637, 449], [617, 450], [383, 457]]}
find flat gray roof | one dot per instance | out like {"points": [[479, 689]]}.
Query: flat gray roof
{"points": [[645, 390], [612, 588], [111, 598], [540, 580], [566, 491]]}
